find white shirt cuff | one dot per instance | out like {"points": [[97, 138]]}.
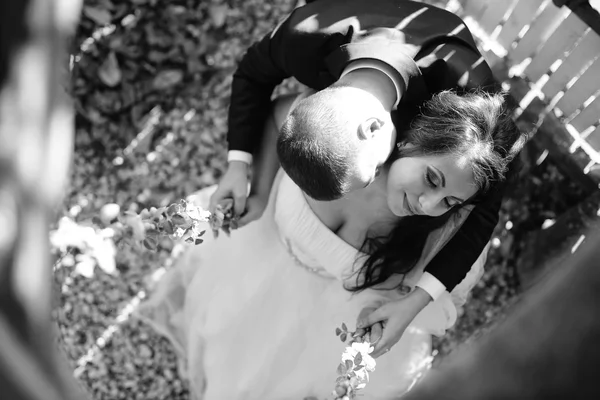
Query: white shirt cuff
{"points": [[237, 155], [431, 285]]}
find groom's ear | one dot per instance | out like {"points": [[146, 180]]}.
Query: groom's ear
{"points": [[368, 128]]}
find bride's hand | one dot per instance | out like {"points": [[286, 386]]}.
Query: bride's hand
{"points": [[396, 316], [255, 207]]}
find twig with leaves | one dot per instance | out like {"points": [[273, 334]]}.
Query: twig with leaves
{"points": [[95, 239], [178, 221], [183, 221], [353, 370]]}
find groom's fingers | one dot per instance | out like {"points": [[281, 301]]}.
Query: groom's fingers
{"points": [[362, 316], [385, 343], [239, 204], [376, 316], [366, 311], [381, 347], [216, 197]]}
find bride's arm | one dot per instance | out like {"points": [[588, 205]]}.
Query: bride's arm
{"points": [[266, 162]]}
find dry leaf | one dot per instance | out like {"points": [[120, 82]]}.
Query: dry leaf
{"points": [[167, 79], [109, 72], [109, 212], [218, 14], [98, 15]]}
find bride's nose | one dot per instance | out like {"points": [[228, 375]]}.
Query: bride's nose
{"points": [[430, 203]]}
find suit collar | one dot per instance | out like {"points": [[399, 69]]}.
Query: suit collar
{"points": [[382, 44]]}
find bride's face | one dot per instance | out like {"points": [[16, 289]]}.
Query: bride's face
{"points": [[429, 185]]}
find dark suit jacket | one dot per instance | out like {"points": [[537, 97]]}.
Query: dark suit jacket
{"points": [[429, 48]]}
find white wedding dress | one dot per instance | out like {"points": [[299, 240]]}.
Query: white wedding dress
{"points": [[253, 316]]}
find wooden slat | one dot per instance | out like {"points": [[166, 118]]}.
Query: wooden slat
{"points": [[494, 14], [520, 16], [588, 116], [594, 139], [474, 8], [529, 119], [540, 29], [551, 134], [586, 51], [587, 10], [554, 137], [519, 88], [586, 85], [554, 48]]}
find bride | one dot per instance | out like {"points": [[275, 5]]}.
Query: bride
{"points": [[254, 315]]}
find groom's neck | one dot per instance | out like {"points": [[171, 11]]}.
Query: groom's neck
{"points": [[375, 82]]}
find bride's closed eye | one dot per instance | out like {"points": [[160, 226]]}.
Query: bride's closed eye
{"points": [[433, 180]]}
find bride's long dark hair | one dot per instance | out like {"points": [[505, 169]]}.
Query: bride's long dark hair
{"points": [[477, 125]]}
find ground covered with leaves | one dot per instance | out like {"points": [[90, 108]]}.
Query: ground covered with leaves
{"points": [[150, 80]]}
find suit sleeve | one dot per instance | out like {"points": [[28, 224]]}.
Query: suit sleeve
{"points": [[260, 70], [459, 67], [454, 261]]}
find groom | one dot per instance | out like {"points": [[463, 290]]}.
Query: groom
{"points": [[397, 53]]}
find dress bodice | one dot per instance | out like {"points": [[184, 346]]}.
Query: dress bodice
{"points": [[315, 247], [310, 242]]}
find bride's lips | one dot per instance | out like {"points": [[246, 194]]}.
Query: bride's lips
{"points": [[408, 207]]}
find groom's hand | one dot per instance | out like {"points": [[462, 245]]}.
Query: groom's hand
{"points": [[395, 316], [234, 185], [372, 333]]}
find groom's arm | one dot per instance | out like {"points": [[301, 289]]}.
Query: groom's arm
{"points": [[260, 70], [295, 48], [450, 266]]}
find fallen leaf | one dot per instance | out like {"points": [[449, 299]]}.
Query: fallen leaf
{"points": [[135, 222], [150, 243], [218, 14], [109, 212], [109, 72], [85, 267], [157, 56], [167, 79], [98, 15]]}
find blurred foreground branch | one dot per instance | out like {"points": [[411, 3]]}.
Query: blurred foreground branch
{"points": [[546, 349], [36, 133]]}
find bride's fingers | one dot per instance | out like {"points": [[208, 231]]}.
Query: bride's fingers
{"points": [[360, 332], [376, 332], [368, 337]]}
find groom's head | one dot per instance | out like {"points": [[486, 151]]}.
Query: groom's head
{"points": [[334, 141]]}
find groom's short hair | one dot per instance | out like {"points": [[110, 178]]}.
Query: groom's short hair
{"points": [[313, 150]]}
